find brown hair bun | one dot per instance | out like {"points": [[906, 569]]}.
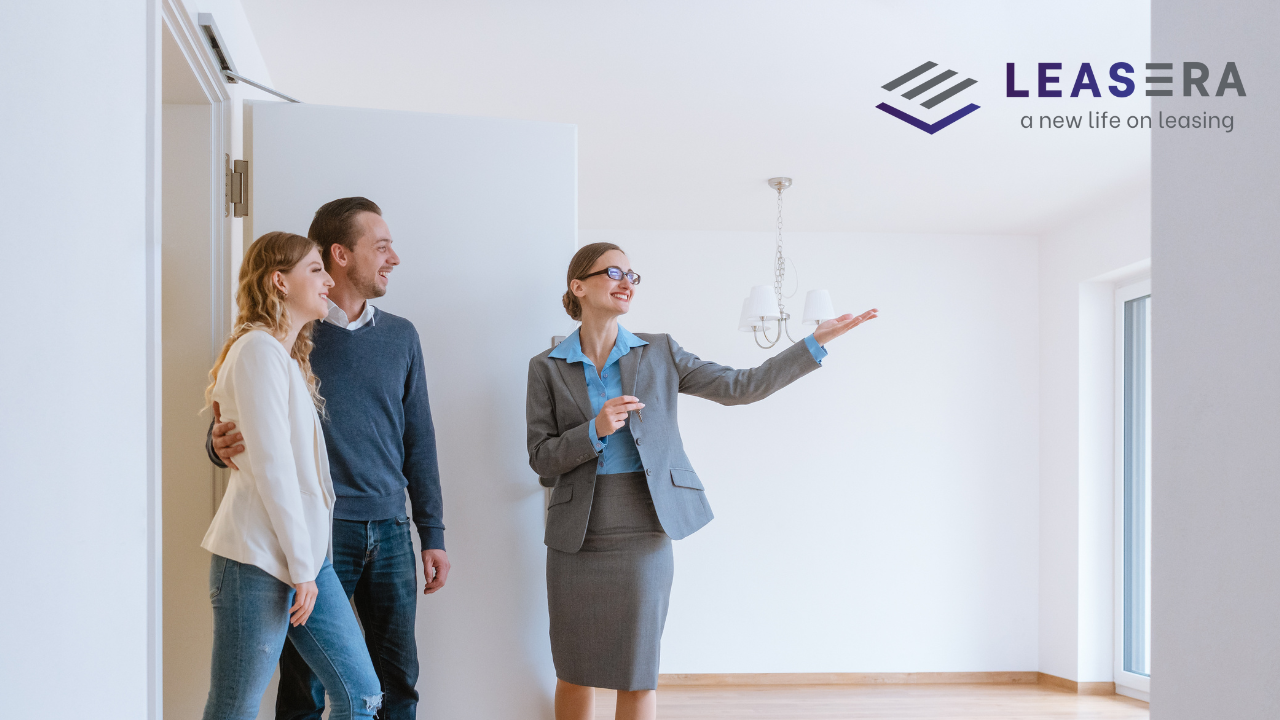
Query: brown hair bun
{"points": [[580, 265]]}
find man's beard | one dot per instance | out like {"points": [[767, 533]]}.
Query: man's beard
{"points": [[366, 284]]}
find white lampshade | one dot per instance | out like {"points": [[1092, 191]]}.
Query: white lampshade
{"points": [[817, 307], [747, 323], [761, 303]]}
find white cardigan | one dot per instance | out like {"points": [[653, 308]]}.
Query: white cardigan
{"points": [[277, 513]]}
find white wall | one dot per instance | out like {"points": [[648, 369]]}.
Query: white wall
{"points": [[1216, 584], [879, 515], [73, 390], [1078, 266]]}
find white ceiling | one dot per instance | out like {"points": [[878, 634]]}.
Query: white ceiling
{"points": [[685, 108]]}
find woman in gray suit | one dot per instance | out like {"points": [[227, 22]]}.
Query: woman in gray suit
{"points": [[602, 433]]}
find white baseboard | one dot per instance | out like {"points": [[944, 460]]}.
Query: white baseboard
{"points": [[1132, 693]]}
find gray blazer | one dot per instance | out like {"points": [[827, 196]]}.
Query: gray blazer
{"points": [[557, 411]]}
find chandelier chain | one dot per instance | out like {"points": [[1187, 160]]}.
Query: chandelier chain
{"points": [[779, 262]]}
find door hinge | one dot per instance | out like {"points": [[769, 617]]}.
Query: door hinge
{"points": [[237, 188]]}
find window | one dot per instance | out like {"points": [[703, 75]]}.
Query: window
{"points": [[1133, 489]]}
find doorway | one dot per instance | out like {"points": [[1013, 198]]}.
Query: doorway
{"points": [[191, 318]]}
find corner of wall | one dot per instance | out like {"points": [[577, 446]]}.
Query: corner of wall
{"points": [[1079, 265]]}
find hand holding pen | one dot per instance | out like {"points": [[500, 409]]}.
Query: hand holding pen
{"points": [[614, 414]]}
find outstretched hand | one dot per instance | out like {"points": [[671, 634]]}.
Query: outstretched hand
{"points": [[832, 329]]}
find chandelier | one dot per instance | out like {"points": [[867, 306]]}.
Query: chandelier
{"points": [[763, 307]]}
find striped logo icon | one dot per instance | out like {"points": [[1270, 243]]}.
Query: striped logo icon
{"points": [[931, 101]]}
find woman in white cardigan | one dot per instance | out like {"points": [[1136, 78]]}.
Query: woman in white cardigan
{"points": [[271, 576]]}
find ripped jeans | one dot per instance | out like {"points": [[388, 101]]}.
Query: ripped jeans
{"points": [[250, 622]]}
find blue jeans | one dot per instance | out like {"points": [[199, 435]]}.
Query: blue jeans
{"points": [[376, 564], [250, 623]]}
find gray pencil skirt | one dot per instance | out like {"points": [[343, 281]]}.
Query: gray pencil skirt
{"points": [[608, 601]]}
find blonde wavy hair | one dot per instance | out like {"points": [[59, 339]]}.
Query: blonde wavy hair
{"points": [[260, 304]]}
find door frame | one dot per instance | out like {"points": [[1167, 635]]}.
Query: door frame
{"points": [[173, 15]]}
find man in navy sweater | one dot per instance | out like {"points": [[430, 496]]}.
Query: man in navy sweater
{"points": [[381, 442]]}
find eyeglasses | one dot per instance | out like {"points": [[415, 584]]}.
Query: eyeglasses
{"points": [[615, 273]]}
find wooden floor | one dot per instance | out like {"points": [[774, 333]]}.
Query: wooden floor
{"points": [[897, 702]]}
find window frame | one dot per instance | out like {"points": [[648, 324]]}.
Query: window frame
{"points": [[1127, 683]]}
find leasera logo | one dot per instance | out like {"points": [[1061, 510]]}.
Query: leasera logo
{"points": [[930, 102]]}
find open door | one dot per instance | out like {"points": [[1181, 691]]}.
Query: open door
{"points": [[484, 217]]}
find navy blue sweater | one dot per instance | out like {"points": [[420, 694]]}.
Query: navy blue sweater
{"points": [[378, 423]]}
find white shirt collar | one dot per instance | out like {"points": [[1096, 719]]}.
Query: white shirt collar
{"points": [[337, 316]]}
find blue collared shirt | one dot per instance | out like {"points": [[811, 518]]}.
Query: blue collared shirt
{"points": [[617, 453]]}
